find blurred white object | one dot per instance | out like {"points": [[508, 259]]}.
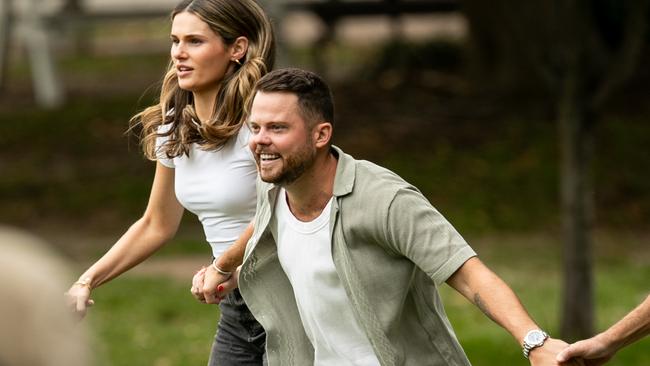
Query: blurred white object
{"points": [[36, 328]]}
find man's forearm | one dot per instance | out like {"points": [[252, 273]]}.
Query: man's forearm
{"points": [[234, 255], [490, 294], [493, 297]]}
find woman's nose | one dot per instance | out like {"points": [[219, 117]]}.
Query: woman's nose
{"points": [[178, 51]]}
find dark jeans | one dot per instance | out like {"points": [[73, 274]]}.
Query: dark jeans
{"points": [[240, 339]]}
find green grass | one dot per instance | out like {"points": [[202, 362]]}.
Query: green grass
{"points": [[151, 321], [155, 321]]}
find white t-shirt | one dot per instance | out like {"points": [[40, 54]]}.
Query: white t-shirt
{"points": [[218, 186], [305, 253]]}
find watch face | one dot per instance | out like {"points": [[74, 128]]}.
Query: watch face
{"points": [[535, 337]]}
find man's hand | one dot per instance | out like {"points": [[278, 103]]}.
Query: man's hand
{"points": [[78, 299], [594, 351], [546, 354]]}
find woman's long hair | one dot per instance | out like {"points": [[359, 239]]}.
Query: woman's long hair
{"points": [[229, 19]]}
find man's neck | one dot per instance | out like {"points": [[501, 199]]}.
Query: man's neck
{"points": [[309, 194]]}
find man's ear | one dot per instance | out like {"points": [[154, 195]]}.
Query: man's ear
{"points": [[322, 134], [239, 48]]}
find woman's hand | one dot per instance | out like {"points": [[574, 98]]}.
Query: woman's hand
{"points": [[78, 298], [217, 285]]}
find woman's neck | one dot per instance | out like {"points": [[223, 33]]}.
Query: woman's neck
{"points": [[204, 104]]}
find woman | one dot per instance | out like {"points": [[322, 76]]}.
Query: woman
{"points": [[220, 48]]}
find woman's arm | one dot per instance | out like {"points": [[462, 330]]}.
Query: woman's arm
{"points": [[158, 224], [600, 348]]}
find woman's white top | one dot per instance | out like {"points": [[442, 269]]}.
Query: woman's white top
{"points": [[218, 186], [305, 254]]}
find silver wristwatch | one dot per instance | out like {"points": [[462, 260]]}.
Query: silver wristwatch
{"points": [[533, 339]]}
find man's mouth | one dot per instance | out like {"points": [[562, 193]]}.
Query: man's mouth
{"points": [[269, 157]]}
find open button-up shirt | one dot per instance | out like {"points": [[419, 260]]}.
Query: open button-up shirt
{"points": [[391, 249]]}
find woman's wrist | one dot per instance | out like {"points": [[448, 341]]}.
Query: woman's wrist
{"points": [[84, 281], [219, 270]]}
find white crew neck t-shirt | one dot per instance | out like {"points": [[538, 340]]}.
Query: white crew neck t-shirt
{"points": [[305, 253], [218, 186]]}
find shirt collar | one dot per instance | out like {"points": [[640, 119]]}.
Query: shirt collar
{"points": [[345, 173]]}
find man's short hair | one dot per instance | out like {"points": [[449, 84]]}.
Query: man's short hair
{"points": [[315, 100]]}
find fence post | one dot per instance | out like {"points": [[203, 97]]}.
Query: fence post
{"points": [[6, 19], [47, 86]]}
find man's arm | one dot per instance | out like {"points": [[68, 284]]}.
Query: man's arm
{"points": [[600, 348], [227, 262], [498, 302]]}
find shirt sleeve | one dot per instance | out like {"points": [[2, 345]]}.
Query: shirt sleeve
{"points": [[243, 138], [160, 142], [418, 231]]}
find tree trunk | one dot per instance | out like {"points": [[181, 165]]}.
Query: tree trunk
{"points": [[575, 122]]}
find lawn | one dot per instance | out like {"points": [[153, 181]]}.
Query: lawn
{"points": [[140, 320]]}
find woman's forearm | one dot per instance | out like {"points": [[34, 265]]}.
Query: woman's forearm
{"points": [[631, 328]]}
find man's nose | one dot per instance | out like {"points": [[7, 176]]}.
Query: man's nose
{"points": [[261, 137]]}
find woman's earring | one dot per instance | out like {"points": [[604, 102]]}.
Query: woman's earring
{"points": [[237, 62]]}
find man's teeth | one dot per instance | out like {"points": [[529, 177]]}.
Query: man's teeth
{"points": [[268, 156]]}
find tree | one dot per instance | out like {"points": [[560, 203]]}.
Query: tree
{"points": [[580, 51]]}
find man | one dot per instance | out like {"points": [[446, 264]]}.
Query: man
{"points": [[598, 349], [346, 257]]}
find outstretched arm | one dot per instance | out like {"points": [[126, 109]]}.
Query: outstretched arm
{"points": [[498, 302], [599, 349], [157, 225]]}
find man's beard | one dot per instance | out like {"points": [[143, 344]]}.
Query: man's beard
{"points": [[294, 167]]}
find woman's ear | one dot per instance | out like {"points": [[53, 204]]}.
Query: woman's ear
{"points": [[323, 134], [239, 48]]}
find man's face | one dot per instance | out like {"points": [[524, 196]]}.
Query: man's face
{"points": [[281, 141]]}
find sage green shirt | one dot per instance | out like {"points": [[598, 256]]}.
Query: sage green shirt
{"points": [[391, 250]]}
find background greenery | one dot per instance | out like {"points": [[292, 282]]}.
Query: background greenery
{"points": [[487, 161]]}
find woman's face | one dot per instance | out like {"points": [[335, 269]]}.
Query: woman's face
{"points": [[200, 56]]}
